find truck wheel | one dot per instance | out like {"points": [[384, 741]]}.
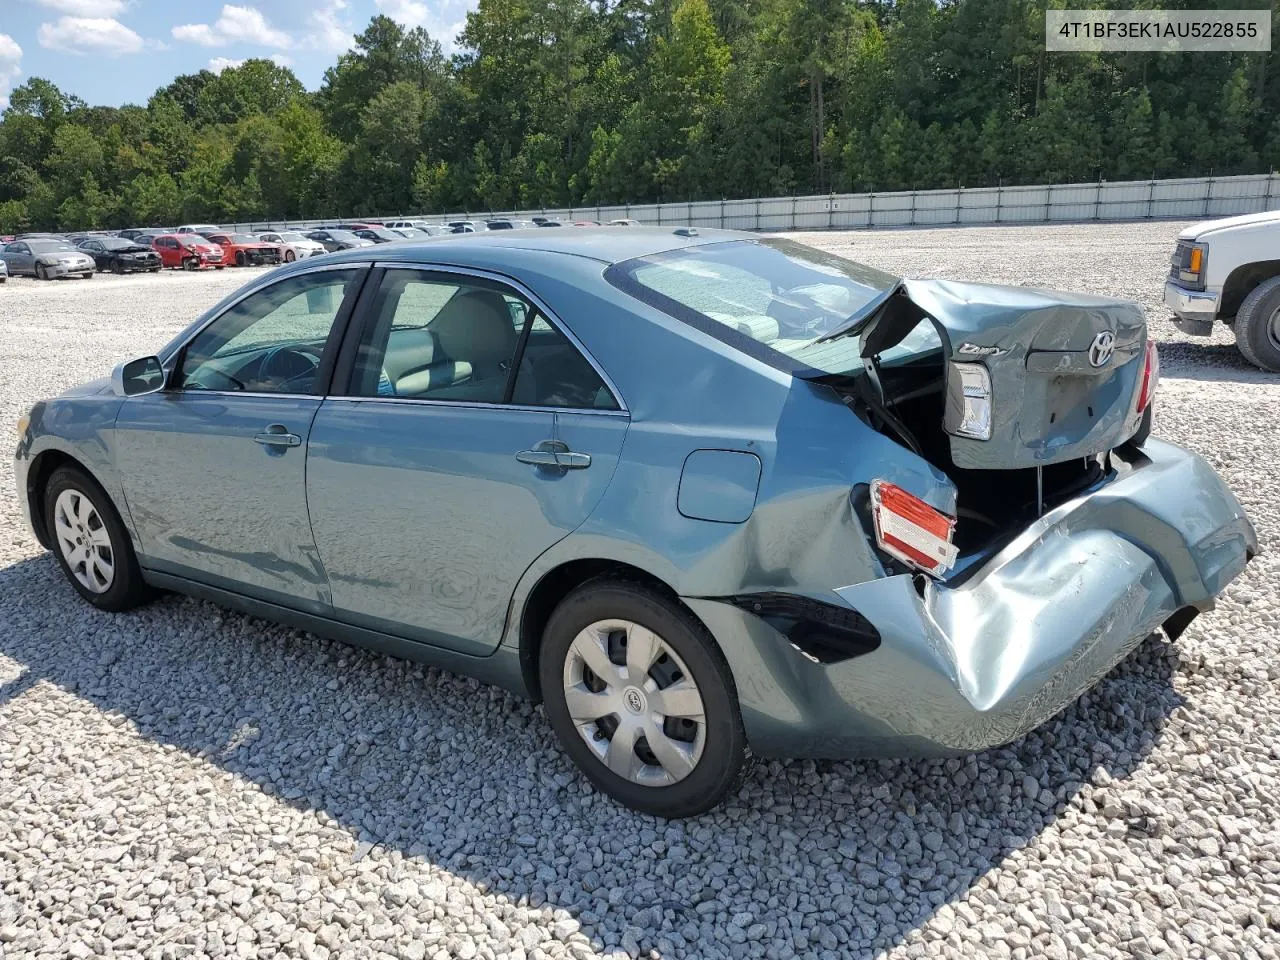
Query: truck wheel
{"points": [[1257, 326]]}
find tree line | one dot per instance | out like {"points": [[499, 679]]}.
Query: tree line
{"points": [[550, 103]]}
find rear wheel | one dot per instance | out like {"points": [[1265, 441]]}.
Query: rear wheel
{"points": [[90, 542], [1257, 325], [642, 699]]}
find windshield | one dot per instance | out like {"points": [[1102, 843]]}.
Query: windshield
{"points": [[118, 243], [244, 238], [292, 237], [772, 298], [49, 246], [197, 241], [345, 236]]}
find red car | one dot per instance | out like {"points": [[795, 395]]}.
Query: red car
{"points": [[187, 251], [245, 250]]}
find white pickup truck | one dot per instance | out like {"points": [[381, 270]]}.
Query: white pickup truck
{"points": [[1229, 270]]}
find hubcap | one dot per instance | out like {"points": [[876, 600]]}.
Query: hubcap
{"points": [[84, 541], [1273, 328], [634, 702]]}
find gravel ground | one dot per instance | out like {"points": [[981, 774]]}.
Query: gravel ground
{"points": [[186, 781]]}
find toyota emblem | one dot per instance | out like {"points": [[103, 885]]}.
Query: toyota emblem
{"points": [[1103, 346]]}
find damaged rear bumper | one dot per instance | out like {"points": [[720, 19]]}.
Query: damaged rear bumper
{"points": [[973, 665]]}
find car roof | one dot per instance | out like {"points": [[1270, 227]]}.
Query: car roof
{"points": [[604, 244]]}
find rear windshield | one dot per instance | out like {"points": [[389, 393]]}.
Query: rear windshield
{"points": [[771, 298]]}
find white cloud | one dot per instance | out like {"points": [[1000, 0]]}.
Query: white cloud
{"points": [[280, 60], [442, 19], [10, 66], [89, 35], [328, 30], [234, 25], [87, 8]]}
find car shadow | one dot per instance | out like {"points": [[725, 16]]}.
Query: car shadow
{"points": [[381, 747]]}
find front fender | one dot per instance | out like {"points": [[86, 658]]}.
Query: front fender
{"points": [[79, 428]]}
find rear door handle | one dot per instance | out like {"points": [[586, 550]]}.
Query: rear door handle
{"points": [[278, 435], [554, 453]]}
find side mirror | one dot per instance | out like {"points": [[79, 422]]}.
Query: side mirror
{"points": [[136, 377]]}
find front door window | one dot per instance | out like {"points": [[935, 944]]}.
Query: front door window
{"points": [[270, 342]]}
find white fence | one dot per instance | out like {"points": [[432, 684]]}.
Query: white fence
{"points": [[1199, 197]]}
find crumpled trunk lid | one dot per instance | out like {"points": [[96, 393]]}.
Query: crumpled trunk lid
{"points": [[1064, 368]]}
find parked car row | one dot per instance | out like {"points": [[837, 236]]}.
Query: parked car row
{"points": [[197, 246]]}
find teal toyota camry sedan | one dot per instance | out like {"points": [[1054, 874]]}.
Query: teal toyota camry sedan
{"points": [[706, 495]]}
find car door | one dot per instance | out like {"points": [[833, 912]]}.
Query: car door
{"points": [[430, 490], [19, 258], [213, 466]]}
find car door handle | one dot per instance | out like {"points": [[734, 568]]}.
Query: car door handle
{"points": [[278, 435], [554, 453]]}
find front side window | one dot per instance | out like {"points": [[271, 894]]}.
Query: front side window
{"points": [[439, 337], [772, 298], [272, 341]]}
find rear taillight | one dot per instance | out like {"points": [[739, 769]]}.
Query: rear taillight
{"points": [[1150, 376], [911, 530], [968, 405]]}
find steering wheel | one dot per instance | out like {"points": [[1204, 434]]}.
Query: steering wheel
{"points": [[286, 366]]}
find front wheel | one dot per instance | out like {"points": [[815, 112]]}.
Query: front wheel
{"points": [[642, 699], [241, 259], [191, 263], [1257, 325], [42, 272], [289, 256], [90, 542]]}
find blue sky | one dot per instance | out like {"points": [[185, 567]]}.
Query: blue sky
{"points": [[120, 51]]}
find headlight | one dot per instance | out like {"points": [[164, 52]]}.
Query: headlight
{"points": [[1190, 262], [24, 422], [968, 410]]}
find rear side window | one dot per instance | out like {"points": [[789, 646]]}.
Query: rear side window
{"points": [[434, 336], [553, 373]]}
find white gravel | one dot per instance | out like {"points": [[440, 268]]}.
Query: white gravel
{"points": [[186, 781]]}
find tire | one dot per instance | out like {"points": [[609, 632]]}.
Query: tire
{"points": [[711, 752], [221, 266], [289, 256], [117, 267], [191, 263], [42, 273], [154, 269], [87, 276], [1257, 326], [241, 259], [68, 488]]}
